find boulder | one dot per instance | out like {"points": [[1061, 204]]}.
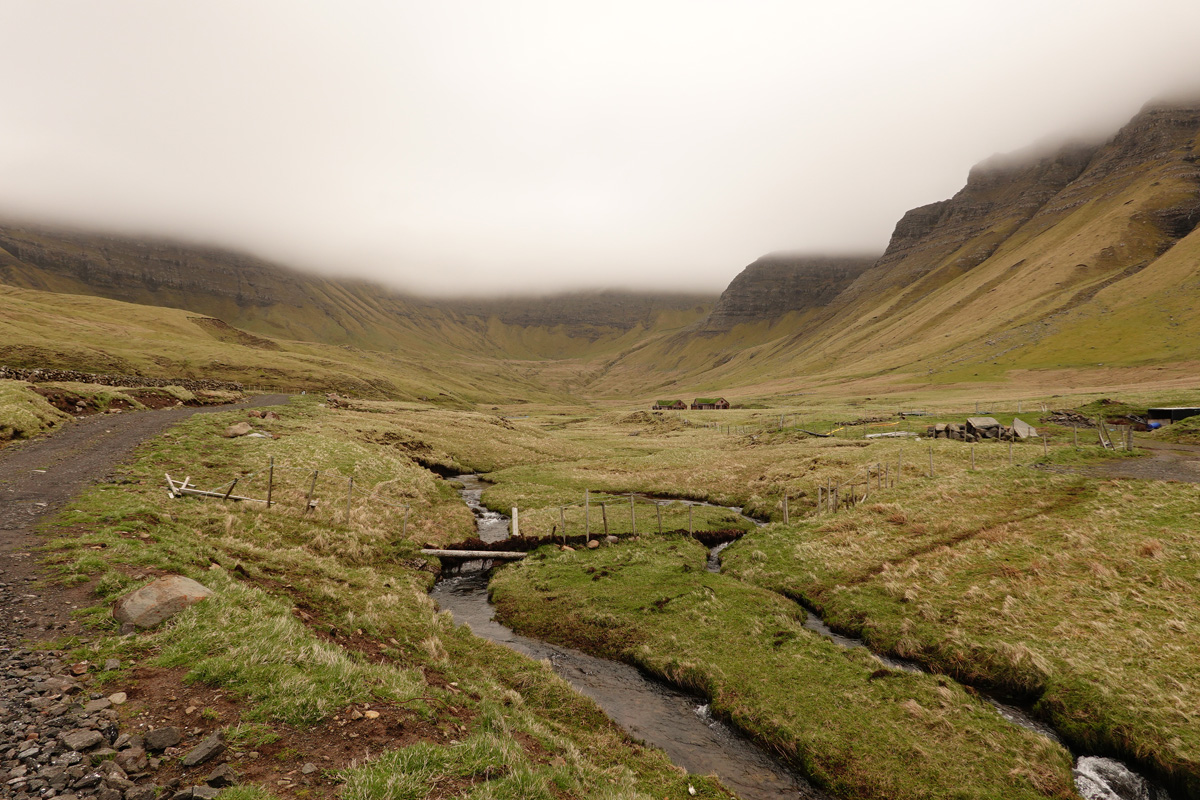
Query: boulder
{"points": [[1023, 429], [160, 600], [240, 429]]}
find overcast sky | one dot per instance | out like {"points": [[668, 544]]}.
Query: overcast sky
{"points": [[496, 146]]}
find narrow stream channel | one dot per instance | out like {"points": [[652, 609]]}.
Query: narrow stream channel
{"points": [[1096, 777], [675, 722], [680, 724]]}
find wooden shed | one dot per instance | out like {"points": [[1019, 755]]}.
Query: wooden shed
{"points": [[669, 405], [709, 403]]}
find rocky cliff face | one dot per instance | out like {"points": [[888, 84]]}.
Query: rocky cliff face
{"points": [[780, 283], [125, 268], [958, 234]]}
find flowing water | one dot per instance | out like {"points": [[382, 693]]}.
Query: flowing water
{"points": [[673, 721], [677, 723], [1096, 778], [681, 724]]}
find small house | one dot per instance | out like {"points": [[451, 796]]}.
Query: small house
{"points": [[669, 405], [709, 403]]}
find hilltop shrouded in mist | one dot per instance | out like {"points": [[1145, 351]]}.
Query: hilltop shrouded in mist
{"points": [[477, 148]]}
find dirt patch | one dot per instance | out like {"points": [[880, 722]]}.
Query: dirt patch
{"points": [[1166, 461], [275, 756]]}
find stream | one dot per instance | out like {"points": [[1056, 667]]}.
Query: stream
{"points": [[677, 723], [680, 724]]}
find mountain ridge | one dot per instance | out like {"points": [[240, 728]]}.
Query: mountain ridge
{"points": [[1038, 252]]}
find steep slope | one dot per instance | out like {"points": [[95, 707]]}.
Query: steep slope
{"points": [[783, 283], [1043, 260]]}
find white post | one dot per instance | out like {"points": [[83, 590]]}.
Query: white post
{"points": [[516, 530]]}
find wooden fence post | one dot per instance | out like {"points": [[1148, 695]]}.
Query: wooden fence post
{"points": [[516, 528], [562, 520], [1075, 436], [931, 461], [658, 508], [312, 489], [604, 516], [270, 479], [690, 529], [1045, 445], [632, 516], [349, 495], [785, 509], [587, 516]]}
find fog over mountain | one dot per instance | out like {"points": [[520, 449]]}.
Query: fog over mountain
{"points": [[475, 147]]}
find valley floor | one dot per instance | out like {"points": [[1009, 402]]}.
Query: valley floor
{"points": [[1030, 571]]}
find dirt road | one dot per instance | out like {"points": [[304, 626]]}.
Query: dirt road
{"points": [[37, 478], [1167, 461]]}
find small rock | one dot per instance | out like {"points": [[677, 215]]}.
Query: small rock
{"points": [[611, 539], [221, 777], [308, 769], [118, 699], [145, 792], [81, 739], [92, 706], [355, 714], [205, 793], [161, 738], [112, 664], [593, 544], [239, 429], [371, 714], [211, 747], [568, 548], [132, 759]]}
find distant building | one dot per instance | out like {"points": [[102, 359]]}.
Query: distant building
{"points": [[1169, 414], [669, 405], [709, 403]]}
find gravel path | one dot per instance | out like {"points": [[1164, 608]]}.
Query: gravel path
{"points": [[38, 477], [58, 739]]}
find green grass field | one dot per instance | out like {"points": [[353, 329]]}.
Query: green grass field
{"points": [[1036, 577]]}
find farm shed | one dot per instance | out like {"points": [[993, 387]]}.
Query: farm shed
{"points": [[709, 403], [669, 405], [1172, 413]]}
